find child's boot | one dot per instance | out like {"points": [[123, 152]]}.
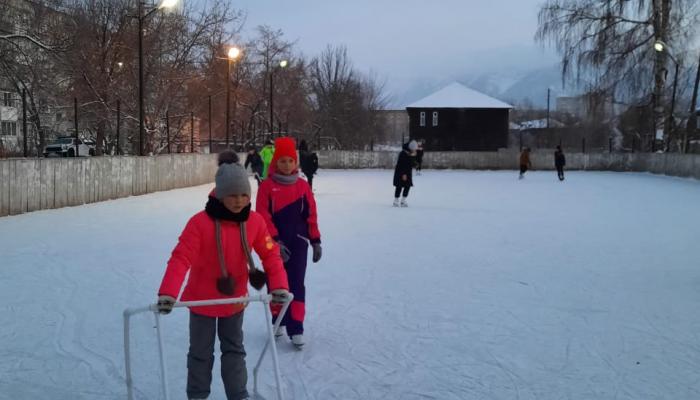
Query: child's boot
{"points": [[298, 341], [280, 332], [403, 202], [396, 201]]}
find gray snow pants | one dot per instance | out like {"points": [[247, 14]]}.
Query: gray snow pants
{"points": [[200, 359]]}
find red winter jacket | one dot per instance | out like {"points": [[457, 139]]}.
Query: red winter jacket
{"points": [[196, 252]]}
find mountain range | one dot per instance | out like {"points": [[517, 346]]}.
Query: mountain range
{"points": [[519, 76]]}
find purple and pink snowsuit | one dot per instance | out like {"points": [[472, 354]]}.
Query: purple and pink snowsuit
{"points": [[289, 208]]}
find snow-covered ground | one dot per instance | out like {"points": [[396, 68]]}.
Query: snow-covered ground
{"points": [[486, 287]]}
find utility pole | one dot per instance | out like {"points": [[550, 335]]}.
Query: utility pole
{"points": [[210, 123], [24, 121], [548, 94]]}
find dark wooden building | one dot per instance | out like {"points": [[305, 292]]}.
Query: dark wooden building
{"points": [[458, 118]]}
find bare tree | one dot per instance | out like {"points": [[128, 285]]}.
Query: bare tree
{"points": [[609, 43], [345, 101], [98, 61], [88, 53], [178, 58], [374, 100], [269, 49], [26, 58], [335, 91]]}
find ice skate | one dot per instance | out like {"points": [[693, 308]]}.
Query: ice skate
{"points": [[280, 332], [298, 341]]}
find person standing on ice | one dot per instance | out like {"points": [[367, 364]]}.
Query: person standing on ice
{"points": [[403, 173], [525, 162], [212, 250], [289, 208], [308, 162], [266, 154], [256, 163], [419, 156], [559, 162]]}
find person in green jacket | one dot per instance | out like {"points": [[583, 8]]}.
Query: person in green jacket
{"points": [[266, 154]]}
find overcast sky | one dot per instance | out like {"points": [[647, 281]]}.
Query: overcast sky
{"points": [[400, 36], [404, 41]]}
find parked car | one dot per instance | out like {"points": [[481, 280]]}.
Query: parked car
{"points": [[69, 146]]}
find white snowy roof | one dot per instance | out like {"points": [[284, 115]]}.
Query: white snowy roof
{"points": [[457, 95]]}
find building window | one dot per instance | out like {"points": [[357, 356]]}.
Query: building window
{"points": [[435, 118], [422, 118], [8, 128], [7, 99]]}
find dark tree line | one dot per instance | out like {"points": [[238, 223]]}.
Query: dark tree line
{"points": [[58, 50]]}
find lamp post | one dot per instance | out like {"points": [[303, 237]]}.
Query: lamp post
{"points": [[142, 17], [282, 64], [232, 55], [660, 46], [549, 90], [691, 126]]}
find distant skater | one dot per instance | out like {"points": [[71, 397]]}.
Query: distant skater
{"points": [[525, 162], [559, 162], [403, 173]]}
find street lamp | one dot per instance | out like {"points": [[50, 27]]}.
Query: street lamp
{"points": [[660, 47], [282, 64], [232, 55], [142, 17]]}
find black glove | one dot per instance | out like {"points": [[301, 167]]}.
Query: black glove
{"points": [[317, 252], [165, 304], [284, 251], [280, 295]]}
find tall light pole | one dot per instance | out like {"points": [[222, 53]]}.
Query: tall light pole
{"points": [[660, 46], [142, 17], [232, 55], [549, 90], [692, 120], [282, 64]]}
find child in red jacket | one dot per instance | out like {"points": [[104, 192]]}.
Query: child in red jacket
{"points": [[211, 249], [289, 208]]}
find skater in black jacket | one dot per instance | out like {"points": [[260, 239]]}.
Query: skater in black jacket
{"points": [[308, 162], [403, 173], [256, 163], [559, 162]]}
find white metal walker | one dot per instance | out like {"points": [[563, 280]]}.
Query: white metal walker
{"points": [[263, 298]]}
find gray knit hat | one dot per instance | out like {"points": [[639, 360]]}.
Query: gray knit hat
{"points": [[231, 179], [412, 145]]}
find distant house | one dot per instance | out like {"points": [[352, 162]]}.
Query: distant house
{"points": [[457, 118], [9, 119]]}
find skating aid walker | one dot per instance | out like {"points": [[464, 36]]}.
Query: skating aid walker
{"points": [[265, 299]]}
